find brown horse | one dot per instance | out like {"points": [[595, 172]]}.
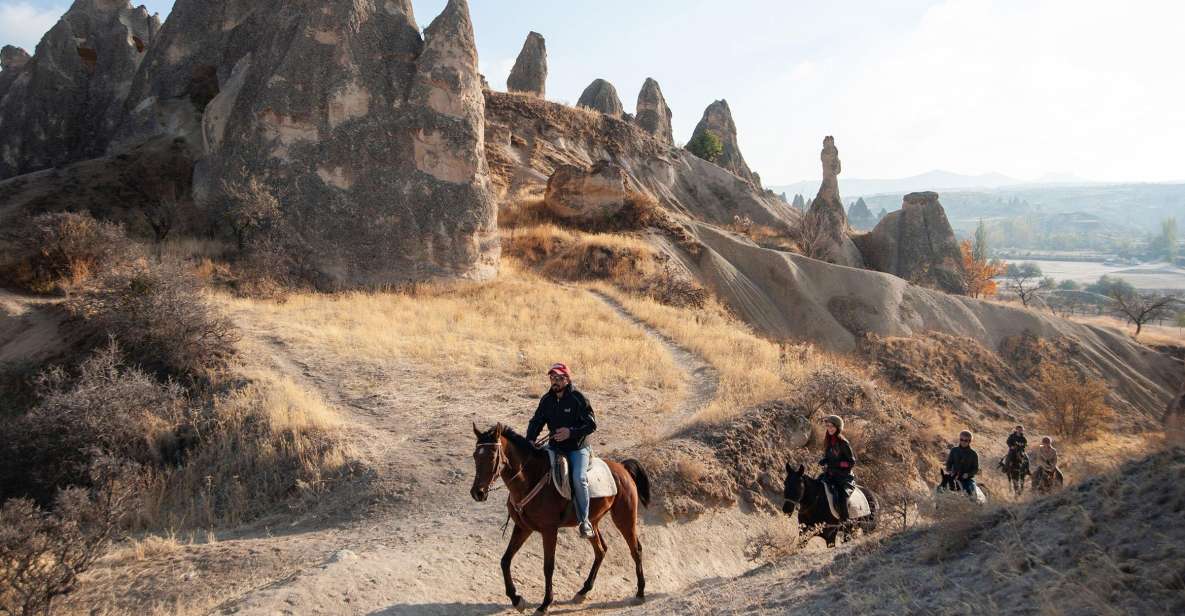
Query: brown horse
{"points": [[536, 506]]}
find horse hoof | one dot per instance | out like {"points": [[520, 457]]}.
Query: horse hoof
{"points": [[639, 600], [519, 604], [579, 598], [540, 611]]}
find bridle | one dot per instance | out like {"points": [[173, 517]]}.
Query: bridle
{"points": [[501, 461]]}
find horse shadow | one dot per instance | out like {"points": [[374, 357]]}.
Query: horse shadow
{"points": [[432, 609]]}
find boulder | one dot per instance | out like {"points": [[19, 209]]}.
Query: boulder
{"points": [[529, 74], [828, 206], [577, 193], [652, 113], [600, 95], [370, 137], [65, 103], [718, 121], [916, 243]]}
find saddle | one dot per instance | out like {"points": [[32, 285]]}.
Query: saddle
{"points": [[858, 506], [600, 478]]}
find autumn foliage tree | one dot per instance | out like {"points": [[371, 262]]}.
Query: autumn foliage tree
{"points": [[1072, 405], [979, 272]]}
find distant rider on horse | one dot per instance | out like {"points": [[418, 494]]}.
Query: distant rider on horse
{"points": [[569, 417], [1046, 458], [1017, 446], [963, 463], [838, 461]]}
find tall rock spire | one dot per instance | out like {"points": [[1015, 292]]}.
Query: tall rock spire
{"points": [[600, 95], [652, 113], [718, 121], [529, 74]]}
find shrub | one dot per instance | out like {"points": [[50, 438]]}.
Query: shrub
{"points": [[250, 209], [107, 409], [43, 553], [1072, 405], [62, 251], [160, 317], [707, 146]]}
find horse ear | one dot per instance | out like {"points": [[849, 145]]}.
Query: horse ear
{"points": [[789, 469], [475, 430], [498, 430], [801, 469]]}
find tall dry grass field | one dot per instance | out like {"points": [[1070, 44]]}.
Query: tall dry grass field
{"points": [[510, 328]]}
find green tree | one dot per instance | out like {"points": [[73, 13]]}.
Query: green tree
{"points": [[1166, 244], [979, 249], [706, 145]]}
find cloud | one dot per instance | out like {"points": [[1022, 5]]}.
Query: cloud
{"points": [[23, 24]]}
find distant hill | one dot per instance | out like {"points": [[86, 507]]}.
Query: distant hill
{"points": [[936, 180]]}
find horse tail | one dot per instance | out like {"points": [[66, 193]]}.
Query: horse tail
{"points": [[641, 479]]}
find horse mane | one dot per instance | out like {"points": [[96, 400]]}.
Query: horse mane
{"points": [[520, 442]]}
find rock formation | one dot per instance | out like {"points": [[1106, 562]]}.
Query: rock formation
{"points": [[828, 206], [529, 74], [579, 194], [916, 243], [718, 120], [65, 103], [600, 95], [860, 217], [653, 114], [371, 138]]}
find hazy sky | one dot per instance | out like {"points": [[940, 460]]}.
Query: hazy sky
{"points": [[1021, 87]]}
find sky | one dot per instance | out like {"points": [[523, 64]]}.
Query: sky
{"points": [[1027, 88]]}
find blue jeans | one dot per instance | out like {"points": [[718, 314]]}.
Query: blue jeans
{"points": [[968, 486], [578, 462]]}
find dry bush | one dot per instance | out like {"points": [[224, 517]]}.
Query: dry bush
{"points": [[268, 443], [629, 263], [249, 208], [161, 318], [779, 538], [812, 235], [959, 522], [62, 251], [106, 410], [43, 553], [1072, 405]]}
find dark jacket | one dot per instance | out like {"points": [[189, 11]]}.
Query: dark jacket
{"points": [[963, 461], [838, 456], [1018, 441], [572, 411]]}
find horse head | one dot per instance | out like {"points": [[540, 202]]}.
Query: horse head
{"points": [[488, 459], [794, 490]]}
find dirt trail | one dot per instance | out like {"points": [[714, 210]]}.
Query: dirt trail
{"points": [[436, 551], [704, 378]]}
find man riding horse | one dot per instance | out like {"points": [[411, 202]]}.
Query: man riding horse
{"points": [[1017, 446], [962, 464], [1046, 458], [569, 417]]}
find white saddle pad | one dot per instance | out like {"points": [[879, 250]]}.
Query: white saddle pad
{"points": [[600, 478], [857, 504]]}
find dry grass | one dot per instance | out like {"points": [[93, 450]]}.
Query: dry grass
{"points": [[512, 327], [1152, 334], [271, 423], [752, 369]]}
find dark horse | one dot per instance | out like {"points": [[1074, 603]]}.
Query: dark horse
{"points": [[536, 506], [807, 495], [1016, 466]]}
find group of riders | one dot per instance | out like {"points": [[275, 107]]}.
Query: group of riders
{"points": [[569, 417]]}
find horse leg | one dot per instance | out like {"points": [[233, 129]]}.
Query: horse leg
{"points": [[549, 540], [517, 539], [599, 549], [625, 518]]}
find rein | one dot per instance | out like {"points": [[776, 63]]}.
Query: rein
{"points": [[502, 461]]}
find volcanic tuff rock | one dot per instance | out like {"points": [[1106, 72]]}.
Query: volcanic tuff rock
{"points": [[596, 194], [12, 60], [371, 138], [653, 114], [718, 120], [65, 103], [529, 74], [828, 205], [916, 243], [600, 95]]}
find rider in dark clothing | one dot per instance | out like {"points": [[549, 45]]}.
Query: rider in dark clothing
{"points": [[838, 461], [1018, 445], [569, 416], [963, 463]]}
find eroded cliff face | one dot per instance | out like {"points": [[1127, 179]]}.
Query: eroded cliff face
{"points": [[528, 139], [65, 103], [370, 137]]}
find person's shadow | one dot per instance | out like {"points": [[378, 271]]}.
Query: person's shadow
{"points": [[432, 609]]}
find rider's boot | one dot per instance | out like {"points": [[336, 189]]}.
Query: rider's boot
{"points": [[586, 530]]}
